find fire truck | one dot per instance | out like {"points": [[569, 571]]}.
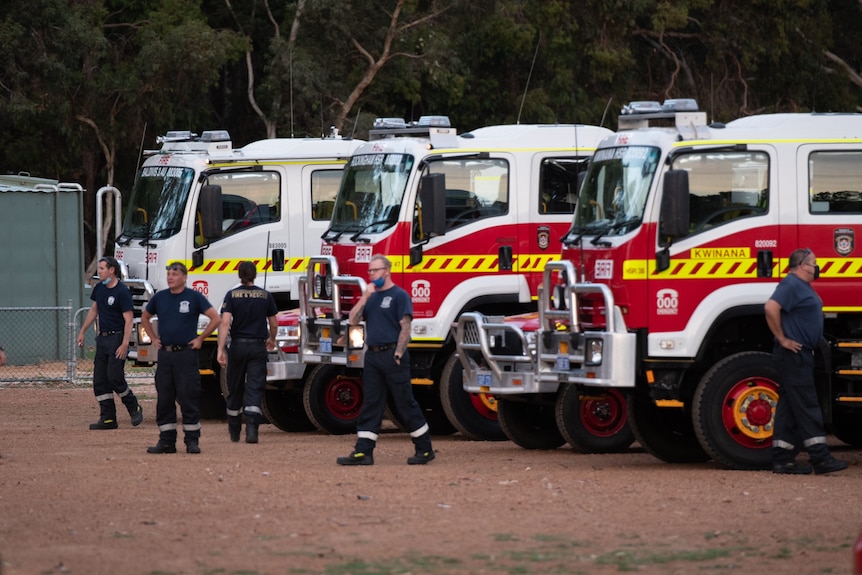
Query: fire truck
{"points": [[469, 222], [681, 234], [200, 201]]}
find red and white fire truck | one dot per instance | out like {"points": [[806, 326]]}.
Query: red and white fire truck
{"points": [[680, 236], [469, 222], [199, 201]]}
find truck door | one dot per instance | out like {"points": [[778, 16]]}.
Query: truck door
{"points": [[733, 215], [251, 213], [477, 251], [828, 204], [553, 185]]}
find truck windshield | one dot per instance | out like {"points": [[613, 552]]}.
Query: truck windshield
{"points": [[158, 202], [613, 196], [371, 192]]}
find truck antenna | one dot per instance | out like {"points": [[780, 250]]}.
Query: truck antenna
{"points": [[605, 113], [530, 75], [355, 123]]}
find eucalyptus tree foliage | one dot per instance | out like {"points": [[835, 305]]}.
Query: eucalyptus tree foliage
{"points": [[90, 74]]}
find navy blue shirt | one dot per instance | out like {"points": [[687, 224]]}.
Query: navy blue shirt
{"points": [[801, 311], [250, 307], [178, 314], [383, 313], [111, 303]]}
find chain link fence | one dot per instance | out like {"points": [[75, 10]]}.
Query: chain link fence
{"points": [[41, 347]]}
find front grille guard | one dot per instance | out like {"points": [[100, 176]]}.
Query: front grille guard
{"points": [[323, 324]]}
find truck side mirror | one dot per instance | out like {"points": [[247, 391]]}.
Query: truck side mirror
{"points": [[432, 215], [211, 212], [674, 216]]}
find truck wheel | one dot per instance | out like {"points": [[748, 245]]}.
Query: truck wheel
{"points": [[734, 410], [529, 424], [284, 408], [666, 433], [332, 399], [593, 420], [473, 414], [847, 426]]}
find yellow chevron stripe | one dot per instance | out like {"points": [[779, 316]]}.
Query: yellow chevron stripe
{"points": [[474, 263], [692, 269], [230, 266]]}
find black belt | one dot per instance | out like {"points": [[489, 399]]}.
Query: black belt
{"points": [[382, 347], [182, 347], [247, 340], [107, 333]]}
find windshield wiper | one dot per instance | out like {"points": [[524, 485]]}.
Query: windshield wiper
{"points": [[358, 235], [612, 227]]}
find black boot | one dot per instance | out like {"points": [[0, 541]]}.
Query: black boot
{"points": [[251, 423], [424, 451], [234, 425]]}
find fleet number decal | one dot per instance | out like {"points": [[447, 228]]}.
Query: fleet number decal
{"points": [[604, 269], [363, 254]]}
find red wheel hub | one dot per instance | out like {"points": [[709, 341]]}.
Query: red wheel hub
{"points": [[603, 414], [485, 405], [749, 410], [344, 397]]}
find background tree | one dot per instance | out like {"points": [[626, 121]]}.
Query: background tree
{"points": [[85, 83]]}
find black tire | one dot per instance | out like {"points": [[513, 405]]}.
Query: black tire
{"points": [[530, 424], [666, 433], [473, 414], [284, 408], [593, 420], [332, 399], [733, 410], [847, 426]]}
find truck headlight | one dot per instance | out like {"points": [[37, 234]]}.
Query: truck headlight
{"points": [[593, 351], [356, 337], [143, 338]]}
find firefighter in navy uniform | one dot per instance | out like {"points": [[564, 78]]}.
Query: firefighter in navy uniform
{"points": [[112, 304], [388, 314], [248, 315], [794, 314], [178, 378]]}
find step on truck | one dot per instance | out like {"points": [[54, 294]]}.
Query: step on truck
{"points": [[681, 234], [469, 222], [200, 201]]}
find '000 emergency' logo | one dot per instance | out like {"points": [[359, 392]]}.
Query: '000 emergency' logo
{"points": [[667, 302], [420, 291]]}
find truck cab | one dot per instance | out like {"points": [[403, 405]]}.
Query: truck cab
{"points": [[664, 303], [468, 221], [200, 201]]}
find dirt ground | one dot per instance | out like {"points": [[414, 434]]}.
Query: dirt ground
{"points": [[91, 502]]}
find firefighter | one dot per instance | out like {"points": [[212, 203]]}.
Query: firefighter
{"points": [[178, 378], [248, 314], [112, 304], [388, 314], [794, 314]]}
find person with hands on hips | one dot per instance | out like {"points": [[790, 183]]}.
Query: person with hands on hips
{"points": [[112, 304], [388, 314], [178, 378], [248, 315], [794, 314]]}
